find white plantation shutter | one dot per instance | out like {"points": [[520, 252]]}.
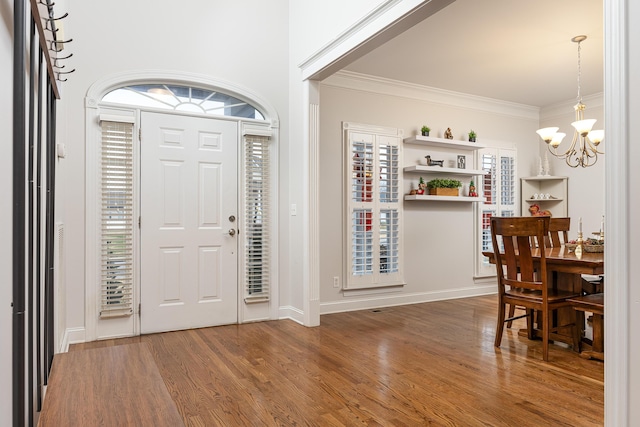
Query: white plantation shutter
{"points": [[116, 232], [257, 217], [374, 210], [499, 191]]}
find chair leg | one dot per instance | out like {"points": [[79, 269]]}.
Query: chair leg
{"points": [[512, 312], [578, 331], [545, 335], [530, 323], [500, 325]]}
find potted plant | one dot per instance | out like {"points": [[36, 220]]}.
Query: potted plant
{"points": [[425, 130], [472, 136], [444, 187]]}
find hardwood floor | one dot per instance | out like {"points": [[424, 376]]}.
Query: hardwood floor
{"points": [[422, 364]]}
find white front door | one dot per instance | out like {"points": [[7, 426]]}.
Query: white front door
{"points": [[188, 236]]}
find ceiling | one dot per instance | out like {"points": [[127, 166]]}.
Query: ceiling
{"points": [[517, 51]]}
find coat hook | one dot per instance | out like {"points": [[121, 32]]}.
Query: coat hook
{"points": [[49, 5], [63, 72], [55, 61], [59, 18], [59, 43]]}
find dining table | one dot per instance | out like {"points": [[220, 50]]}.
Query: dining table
{"points": [[565, 269]]}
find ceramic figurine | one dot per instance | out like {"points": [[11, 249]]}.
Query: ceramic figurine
{"points": [[472, 189], [448, 134], [433, 162]]}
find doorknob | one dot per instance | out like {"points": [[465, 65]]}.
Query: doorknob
{"points": [[232, 218], [232, 232]]}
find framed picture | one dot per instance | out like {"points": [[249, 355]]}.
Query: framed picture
{"points": [[462, 162]]}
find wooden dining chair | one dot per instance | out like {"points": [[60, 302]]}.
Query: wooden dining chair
{"points": [[521, 282], [558, 235]]}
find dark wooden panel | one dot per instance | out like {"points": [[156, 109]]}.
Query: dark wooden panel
{"points": [[110, 386]]}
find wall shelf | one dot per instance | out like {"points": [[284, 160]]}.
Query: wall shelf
{"points": [[429, 198], [443, 143], [560, 199], [556, 186], [443, 170]]}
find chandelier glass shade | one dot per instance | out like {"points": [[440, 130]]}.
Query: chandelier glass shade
{"points": [[583, 150]]}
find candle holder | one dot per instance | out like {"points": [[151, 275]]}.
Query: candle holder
{"points": [[579, 244]]}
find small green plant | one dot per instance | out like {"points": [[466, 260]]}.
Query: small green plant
{"points": [[425, 129], [444, 183], [472, 134]]}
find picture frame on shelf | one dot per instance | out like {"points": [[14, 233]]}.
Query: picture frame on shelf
{"points": [[462, 162]]}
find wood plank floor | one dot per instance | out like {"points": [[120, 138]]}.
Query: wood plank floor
{"points": [[422, 364], [83, 391]]}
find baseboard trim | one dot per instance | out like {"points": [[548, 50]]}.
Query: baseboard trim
{"points": [[72, 336], [404, 299], [291, 313]]}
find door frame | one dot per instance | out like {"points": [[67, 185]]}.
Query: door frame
{"points": [[96, 328]]}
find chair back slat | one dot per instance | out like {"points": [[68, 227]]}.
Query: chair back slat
{"points": [[558, 227], [514, 265]]}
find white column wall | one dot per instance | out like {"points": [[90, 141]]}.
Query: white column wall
{"points": [[633, 71], [224, 40], [6, 171]]}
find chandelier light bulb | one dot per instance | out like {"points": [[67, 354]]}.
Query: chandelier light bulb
{"points": [[596, 136], [547, 133], [557, 139], [584, 126]]}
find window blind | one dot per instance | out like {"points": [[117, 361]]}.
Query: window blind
{"points": [[374, 210], [116, 232], [257, 217], [499, 191]]}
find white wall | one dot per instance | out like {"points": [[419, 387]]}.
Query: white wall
{"points": [[241, 42], [586, 185], [438, 237], [633, 72], [6, 162], [318, 23]]}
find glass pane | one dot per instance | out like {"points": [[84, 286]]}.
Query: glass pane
{"points": [[489, 179], [388, 174], [389, 238], [183, 98], [362, 172], [507, 180], [361, 242]]}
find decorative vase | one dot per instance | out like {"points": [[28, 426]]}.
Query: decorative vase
{"points": [[472, 139], [425, 133], [545, 165]]}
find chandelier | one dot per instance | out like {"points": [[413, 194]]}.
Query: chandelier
{"points": [[583, 150]]}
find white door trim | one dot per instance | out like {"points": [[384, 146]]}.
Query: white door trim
{"points": [[93, 108]]}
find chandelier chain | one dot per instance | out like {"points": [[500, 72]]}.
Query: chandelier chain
{"points": [[579, 72]]}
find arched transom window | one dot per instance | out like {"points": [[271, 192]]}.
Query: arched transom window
{"points": [[183, 98]]}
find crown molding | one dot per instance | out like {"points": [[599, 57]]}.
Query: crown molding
{"points": [[380, 85]]}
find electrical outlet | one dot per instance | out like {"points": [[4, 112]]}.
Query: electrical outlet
{"points": [[336, 282]]}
